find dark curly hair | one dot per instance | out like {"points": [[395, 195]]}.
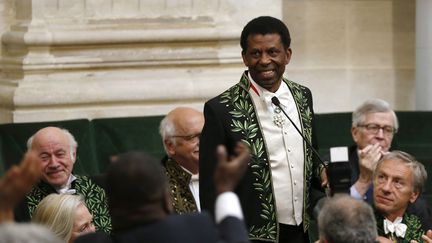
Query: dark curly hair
{"points": [[265, 25]]}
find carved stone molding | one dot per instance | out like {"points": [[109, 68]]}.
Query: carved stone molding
{"points": [[106, 58]]}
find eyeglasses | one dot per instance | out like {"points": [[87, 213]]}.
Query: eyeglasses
{"points": [[189, 138], [374, 129]]}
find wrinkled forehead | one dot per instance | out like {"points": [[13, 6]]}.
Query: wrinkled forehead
{"points": [[385, 118], [51, 140], [394, 165], [189, 121]]}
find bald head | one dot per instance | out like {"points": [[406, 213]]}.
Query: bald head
{"points": [[52, 133], [184, 117], [180, 131], [56, 150]]}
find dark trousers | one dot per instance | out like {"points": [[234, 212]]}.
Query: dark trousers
{"points": [[290, 234]]}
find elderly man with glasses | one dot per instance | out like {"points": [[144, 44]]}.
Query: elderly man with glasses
{"points": [[374, 124], [180, 130]]}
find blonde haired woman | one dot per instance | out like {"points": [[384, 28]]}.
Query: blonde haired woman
{"points": [[65, 215]]}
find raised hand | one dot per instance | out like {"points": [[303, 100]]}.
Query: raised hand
{"points": [[16, 183], [368, 158], [229, 172]]}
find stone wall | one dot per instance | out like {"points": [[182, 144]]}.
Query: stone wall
{"points": [[347, 51], [65, 59]]}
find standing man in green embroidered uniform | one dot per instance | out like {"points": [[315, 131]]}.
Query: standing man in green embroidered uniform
{"points": [[398, 181], [282, 182], [181, 130], [56, 151]]}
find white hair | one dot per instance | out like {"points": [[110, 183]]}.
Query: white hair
{"points": [[57, 212], [72, 142], [167, 130], [372, 106]]}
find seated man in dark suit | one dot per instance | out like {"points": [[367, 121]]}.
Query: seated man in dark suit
{"points": [[141, 210]]}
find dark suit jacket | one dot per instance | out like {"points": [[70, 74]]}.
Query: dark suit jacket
{"points": [[231, 117], [418, 208], [187, 228]]}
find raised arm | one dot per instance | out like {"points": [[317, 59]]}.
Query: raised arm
{"points": [[16, 183]]}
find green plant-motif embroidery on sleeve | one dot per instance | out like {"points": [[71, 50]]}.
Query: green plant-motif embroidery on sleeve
{"points": [[96, 202], [33, 199], [414, 228], [36, 195]]}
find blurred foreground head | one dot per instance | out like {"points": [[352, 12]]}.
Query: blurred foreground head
{"points": [[344, 219], [25, 233], [137, 190]]}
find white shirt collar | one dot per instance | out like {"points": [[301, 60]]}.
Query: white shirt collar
{"points": [[282, 93], [67, 188]]}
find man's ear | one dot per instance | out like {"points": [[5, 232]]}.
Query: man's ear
{"points": [[170, 147], [288, 53], [354, 132], [245, 61], [414, 196], [73, 155]]}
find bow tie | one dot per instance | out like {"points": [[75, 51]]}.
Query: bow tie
{"points": [[67, 191], [395, 227]]}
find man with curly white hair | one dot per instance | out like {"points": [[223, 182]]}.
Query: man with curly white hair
{"points": [[56, 150]]}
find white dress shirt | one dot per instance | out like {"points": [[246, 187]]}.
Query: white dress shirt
{"points": [[285, 150], [67, 188]]}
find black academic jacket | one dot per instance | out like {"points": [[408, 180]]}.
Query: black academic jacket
{"points": [[231, 117]]}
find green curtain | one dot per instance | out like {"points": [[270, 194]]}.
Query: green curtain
{"points": [[101, 138]]}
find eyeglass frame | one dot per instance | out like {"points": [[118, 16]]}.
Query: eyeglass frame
{"points": [[377, 127], [188, 138]]}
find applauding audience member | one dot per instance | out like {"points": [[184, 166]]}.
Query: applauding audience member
{"points": [[16, 183], [141, 210], [374, 125]]}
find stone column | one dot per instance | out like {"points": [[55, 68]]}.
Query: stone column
{"points": [[423, 55], [67, 59]]}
